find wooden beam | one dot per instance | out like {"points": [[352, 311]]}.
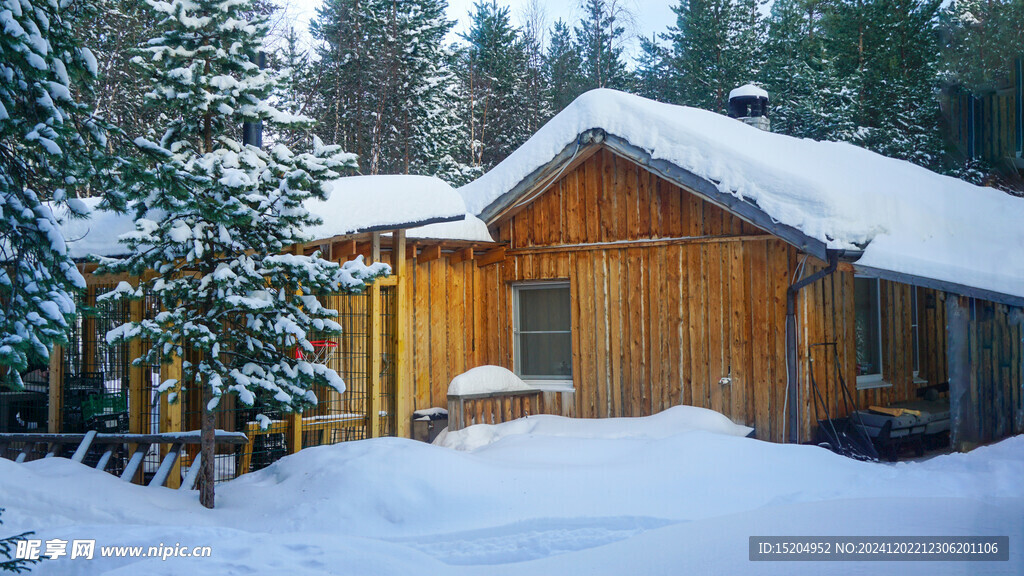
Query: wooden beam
{"points": [[460, 255], [293, 434], [410, 251], [138, 401], [402, 387], [492, 256], [343, 250], [429, 253], [375, 247], [56, 389]]}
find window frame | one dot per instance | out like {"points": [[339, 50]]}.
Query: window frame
{"points": [[548, 383], [876, 380]]}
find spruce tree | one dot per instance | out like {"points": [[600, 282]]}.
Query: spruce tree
{"points": [[982, 38], [212, 217], [808, 97], [600, 35], [386, 88], [715, 46], [888, 50], [493, 72], [51, 148], [563, 67], [653, 73]]}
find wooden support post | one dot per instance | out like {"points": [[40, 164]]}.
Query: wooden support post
{"points": [[460, 255], [293, 433], [963, 428], [374, 350], [170, 414], [138, 401], [402, 389], [56, 408]]}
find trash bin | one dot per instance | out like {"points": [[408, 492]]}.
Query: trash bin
{"points": [[428, 423]]}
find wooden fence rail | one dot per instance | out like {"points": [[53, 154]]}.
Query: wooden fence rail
{"points": [[110, 442], [492, 408]]}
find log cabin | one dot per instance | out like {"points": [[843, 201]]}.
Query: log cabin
{"points": [[652, 255], [633, 256]]}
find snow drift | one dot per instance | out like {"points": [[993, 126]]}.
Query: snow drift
{"points": [[614, 502]]}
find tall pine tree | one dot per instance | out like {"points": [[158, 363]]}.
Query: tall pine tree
{"points": [[212, 217], [715, 46], [563, 67], [600, 34], [493, 72]]}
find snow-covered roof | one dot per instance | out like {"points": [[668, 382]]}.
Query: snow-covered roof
{"points": [[748, 90], [384, 202], [909, 221], [428, 206]]}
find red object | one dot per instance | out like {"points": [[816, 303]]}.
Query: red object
{"points": [[315, 344]]}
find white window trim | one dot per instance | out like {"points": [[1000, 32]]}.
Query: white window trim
{"points": [[550, 383], [871, 381]]}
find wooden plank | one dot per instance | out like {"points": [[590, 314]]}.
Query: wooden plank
{"points": [[640, 243], [715, 286], [134, 462], [374, 349], [740, 335], [55, 393], [438, 329], [962, 424], [169, 468], [616, 283], [403, 389], [760, 340], [83, 447], [600, 323], [422, 329]]}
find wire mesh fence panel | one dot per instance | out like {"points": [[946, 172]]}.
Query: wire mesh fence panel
{"points": [[95, 374], [341, 417], [389, 360]]}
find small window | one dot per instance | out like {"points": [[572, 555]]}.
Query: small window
{"points": [[868, 325], [543, 333]]}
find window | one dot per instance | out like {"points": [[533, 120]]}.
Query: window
{"points": [[543, 333], [868, 326]]}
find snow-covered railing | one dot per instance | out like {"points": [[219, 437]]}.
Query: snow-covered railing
{"points": [[112, 444], [492, 407]]}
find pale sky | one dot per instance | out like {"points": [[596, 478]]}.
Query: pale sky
{"points": [[650, 15]]}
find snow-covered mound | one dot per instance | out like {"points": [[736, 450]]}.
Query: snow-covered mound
{"points": [[530, 504], [675, 420], [914, 221], [486, 380]]}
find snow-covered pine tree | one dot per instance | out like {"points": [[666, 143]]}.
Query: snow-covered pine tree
{"points": [[51, 147], [715, 47], [600, 34], [808, 98], [982, 37], [888, 49], [435, 140], [492, 71], [653, 74], [212, 218], [386, 88], [563, 67]]}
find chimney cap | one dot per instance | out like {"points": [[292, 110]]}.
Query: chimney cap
{"points": [[748, 90]]}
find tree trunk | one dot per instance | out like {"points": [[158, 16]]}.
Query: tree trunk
{"points": [[206, 451]]}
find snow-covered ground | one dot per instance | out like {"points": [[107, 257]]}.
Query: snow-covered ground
{"points": [[677, 493]]}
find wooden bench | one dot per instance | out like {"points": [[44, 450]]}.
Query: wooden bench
{"points": [[55, 445], [492, 407]]}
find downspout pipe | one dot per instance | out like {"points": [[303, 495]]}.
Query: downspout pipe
{"points": [[792, 388]]}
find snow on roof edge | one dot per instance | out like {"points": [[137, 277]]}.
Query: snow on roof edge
{"points": [[837, 193]]}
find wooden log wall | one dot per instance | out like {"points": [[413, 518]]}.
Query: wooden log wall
{"points": [[826, 314], [685, 296], [986, 353]]}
